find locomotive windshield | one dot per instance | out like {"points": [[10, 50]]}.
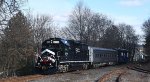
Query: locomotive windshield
{"points": [[51, 45]]}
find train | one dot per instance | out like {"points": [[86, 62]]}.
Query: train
{"points": [[60, 55]]}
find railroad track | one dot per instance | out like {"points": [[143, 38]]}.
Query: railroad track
{"points": [[132, 67], [117, 73], [139, 69]]}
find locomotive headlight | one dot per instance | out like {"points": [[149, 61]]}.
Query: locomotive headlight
{"points": [[38, 63]]}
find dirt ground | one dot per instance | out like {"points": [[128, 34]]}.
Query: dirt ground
{"points": [[91, 75], [22, 78]]}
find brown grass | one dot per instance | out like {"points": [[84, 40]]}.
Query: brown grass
{"points": [[22, 78]]}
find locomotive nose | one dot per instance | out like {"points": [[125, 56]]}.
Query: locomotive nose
{"points": [[48, 51], [48, 56]]}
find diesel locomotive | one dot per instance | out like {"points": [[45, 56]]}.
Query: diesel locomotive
{"points": [[60, 55]]}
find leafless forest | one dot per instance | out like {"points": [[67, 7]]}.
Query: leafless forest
{"points": [[21, 35]]}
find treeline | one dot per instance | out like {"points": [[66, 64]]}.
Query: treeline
{"points": [[21, 35], [98, 30]]}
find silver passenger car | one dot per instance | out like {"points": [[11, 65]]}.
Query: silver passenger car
{"points": [[102, 55]]}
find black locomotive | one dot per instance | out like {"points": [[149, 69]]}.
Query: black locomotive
{"points": [[63, 55]]}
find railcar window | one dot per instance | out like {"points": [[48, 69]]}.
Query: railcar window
{"points": [[43, 46], [54, 46], [121, 54], [127, 54], [95, 55]]}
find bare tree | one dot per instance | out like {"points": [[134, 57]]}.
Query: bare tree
{"points": [[42, 28], [111, 37], [86, 26], [79, 22], [146, 28], [129, 38], [100, 23], [8, 8]]}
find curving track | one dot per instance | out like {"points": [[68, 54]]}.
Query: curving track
{"points": [[113, 74], [129, 73]]}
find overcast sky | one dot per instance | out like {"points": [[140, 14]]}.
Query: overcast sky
{"points": [[132, 12]]}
